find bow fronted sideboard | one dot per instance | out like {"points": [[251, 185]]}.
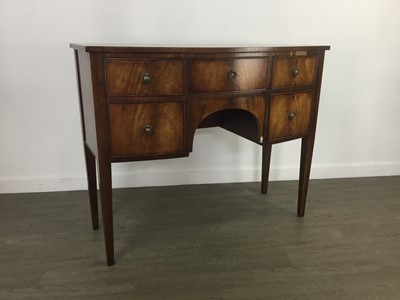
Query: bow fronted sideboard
{"points": [[142, 103]]}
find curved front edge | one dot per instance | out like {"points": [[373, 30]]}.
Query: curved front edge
{"points": [[241, 115]]}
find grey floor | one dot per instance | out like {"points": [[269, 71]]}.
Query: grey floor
{"points": [[223, 241]]}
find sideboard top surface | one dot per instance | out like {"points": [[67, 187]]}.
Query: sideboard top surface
{"points": [[117, 48]]}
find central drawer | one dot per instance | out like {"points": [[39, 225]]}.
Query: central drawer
{"points": [[207, 76], [146, 129]]}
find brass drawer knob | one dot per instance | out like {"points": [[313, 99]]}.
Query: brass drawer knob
{"points": [[148, 130], [295, 72], [146, 79], [292, 115], [232, 74]]}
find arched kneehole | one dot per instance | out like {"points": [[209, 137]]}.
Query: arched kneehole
{"points": [[238, 121]]}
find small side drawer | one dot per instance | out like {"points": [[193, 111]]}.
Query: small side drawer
{"points": [[289, 72], [289, 114], [209, 76], [145, 78], [146, 129]]}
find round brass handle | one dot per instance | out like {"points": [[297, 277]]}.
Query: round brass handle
{"points": [[146, 78], [295, 72], [232, 74], [148, 130], [292, 115]]}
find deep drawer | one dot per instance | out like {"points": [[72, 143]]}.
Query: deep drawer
{"points": [[208, 76], [289, 114], [146, 129], [142, 77], [289, 72]]}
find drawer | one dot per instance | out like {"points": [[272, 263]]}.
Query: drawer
{"points": [[146, 129], [292, 71], [144, 77], [208, 76], [289, 114]]}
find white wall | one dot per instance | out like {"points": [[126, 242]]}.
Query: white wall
{"points": [[359, 124]]}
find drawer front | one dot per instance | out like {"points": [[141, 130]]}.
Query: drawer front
{"points": [[146, 129], [289, 114], [208, 76], [144, 78], [289, 72]]}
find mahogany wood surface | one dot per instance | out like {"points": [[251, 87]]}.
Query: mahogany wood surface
{"points": [[140, 103], [125, 77], [291, 71], [289, 114], [128, 123], [212, 49], [209, 76]]}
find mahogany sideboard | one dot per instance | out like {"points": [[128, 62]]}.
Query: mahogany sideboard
{"points": [[143, 103]]}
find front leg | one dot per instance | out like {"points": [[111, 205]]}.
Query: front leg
{"points": [[307, 146], [266, 159], [107, 208], [92, 186]]}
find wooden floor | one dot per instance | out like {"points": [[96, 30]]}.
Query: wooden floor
{"points": [[224, 241]]}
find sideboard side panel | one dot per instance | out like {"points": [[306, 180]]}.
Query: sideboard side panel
{"points": [[320, 67], [87, 102]]}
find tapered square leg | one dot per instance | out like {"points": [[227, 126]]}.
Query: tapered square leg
{"points": [[107, 208], [266, 159], [307, 146], [92, 185]]}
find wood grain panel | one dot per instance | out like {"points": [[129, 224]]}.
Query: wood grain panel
{"points": [[124, 77], [282, 74], [279, 123], [86, 100], [212, 75], [127, 122]]}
